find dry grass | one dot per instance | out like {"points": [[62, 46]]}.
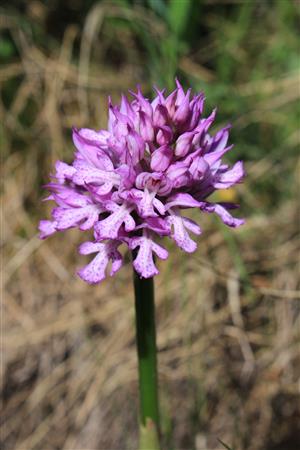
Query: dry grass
{"points": [[228, 345]]}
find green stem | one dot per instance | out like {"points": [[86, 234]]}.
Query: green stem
{"points": [[146, 349]]}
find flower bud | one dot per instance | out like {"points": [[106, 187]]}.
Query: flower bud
{"points": [[170, 103], [146, 127], [164, 135], [198, 168], [183, 111], [161, 158], [160, 116], [183, 143]]}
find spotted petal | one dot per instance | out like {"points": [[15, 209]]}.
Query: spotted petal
{"points": [[230, 177], [180, 235], [85, 217], [223, 213], [109, 228], [95, 271], [46, 228], [143, 263]]}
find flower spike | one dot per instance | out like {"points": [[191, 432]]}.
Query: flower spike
{"points": [[131, 182]]}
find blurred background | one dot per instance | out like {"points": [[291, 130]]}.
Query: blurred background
{"points": [[228, 315]]}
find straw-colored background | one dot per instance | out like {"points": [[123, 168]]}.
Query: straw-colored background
{"points": [[228, 315]]}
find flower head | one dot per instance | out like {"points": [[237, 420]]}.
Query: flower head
{"points": [[130, 183]]}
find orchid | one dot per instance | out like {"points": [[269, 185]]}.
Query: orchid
{"points": [[131, 183]]}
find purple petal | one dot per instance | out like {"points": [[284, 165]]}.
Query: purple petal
{"points": [[183, 200], [149, 180], [66, 196], [164, 135], [135, 146], [144, 103], [109, 228], [184, 143], [126, 108], [127, 176], [160, 251], [180, 92], [202, 128], [66, 218], [230, 177], [63, 171], [183, 111], [199, 168], [161, 158], [226, 217], [178, 174], [159, 206], [95, 271], [220, 140], [156, 224], [160, 116], [170, 103], [197, 105], [192, 226], [145, 202], [46, 228], [143, 263], [86, 174], [212, 158], [146, 127], [180, 235], [98, 138], [90, 247], [91, 153]]}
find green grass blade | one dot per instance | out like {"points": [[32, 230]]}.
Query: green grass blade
{"points": [[178, 15]]}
